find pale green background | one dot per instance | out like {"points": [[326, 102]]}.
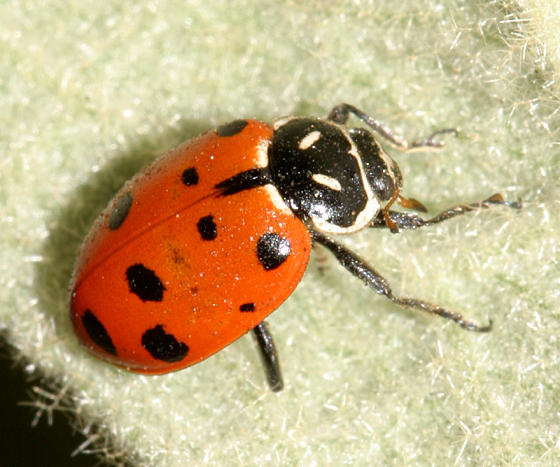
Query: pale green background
{"points": [[91, 91]]}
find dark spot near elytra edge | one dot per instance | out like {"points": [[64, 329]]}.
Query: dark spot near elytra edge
{"points": [[247, 307], [120, 211], [190, 176], [272, 250], [163, 346], [97, 332], [231, 128]]}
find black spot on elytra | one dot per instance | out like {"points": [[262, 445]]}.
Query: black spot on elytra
{"points": [[190, 176], [144, 283], [207, 228], [247, 307], [231, 128], [272, 250], [120, 211], [97, 332], [163, 346]]}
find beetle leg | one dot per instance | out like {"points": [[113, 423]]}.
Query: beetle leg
{"points": [[411, 203], [404, 220], [359, 268], [269, 356], [385, 213], [340, 114]]}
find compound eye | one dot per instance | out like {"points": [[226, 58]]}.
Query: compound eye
{"points": [[383, 186]]}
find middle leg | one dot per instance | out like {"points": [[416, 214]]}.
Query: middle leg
{"points": [[359, 268], [404, 220]]}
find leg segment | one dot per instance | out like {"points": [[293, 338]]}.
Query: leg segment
{"points": [[341, 112], [359, 268], [269, 356], [405, 221]]}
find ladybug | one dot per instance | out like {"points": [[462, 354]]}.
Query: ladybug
{"points": [[200, 247]]}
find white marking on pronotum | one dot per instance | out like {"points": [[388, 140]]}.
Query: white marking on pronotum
{"points": [[309, 140], [330, 182], [280, 122], [371, 208]]}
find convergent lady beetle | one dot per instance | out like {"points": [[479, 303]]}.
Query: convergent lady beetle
{"points": [[201, 246]]}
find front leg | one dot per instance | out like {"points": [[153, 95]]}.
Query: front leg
{"points": [[341, 112], [359, 268], [405, 221]]}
